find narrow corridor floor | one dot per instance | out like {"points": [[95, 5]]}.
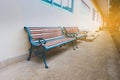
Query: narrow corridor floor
{"points": [[97, 60]]}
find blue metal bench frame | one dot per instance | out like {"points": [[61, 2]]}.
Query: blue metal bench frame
{"points": [[39, 47]]}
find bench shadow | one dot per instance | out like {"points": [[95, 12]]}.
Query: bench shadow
{"points": [[57, 52], [52, 54]]}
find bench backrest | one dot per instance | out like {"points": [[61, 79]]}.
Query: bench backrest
{"points": [[70, 30], [46, 33]]}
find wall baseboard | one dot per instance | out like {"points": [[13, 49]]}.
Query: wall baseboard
{"points": [[13, 60]]}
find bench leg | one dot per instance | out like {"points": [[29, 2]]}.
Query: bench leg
{"points": [[43, 51], [44, 60], [85, 39], [73, 45], [76, 43], [30, 53]]}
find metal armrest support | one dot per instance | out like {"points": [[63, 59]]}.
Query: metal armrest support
{"points": [[41, 41], [72, 35]]}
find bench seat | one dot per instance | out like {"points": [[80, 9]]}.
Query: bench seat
{"points": [[58, 42]]}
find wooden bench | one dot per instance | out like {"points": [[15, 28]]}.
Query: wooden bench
{"points": [[43, 39], [74, 32]]}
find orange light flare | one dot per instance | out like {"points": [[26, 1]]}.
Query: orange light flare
{"points": [[113, 21]]}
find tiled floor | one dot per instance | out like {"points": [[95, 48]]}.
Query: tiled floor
{"points": [[97, 60]]}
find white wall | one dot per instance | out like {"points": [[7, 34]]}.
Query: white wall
{"points": [[15, 14], [86, 21]]}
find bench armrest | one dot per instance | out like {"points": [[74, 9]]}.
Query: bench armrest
{"points": [[41, 41], [72, 35]]}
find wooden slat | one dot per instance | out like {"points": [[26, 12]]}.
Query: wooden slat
{"points": [[39, 28], [57, 41], [45, 32], [72, 29]]}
